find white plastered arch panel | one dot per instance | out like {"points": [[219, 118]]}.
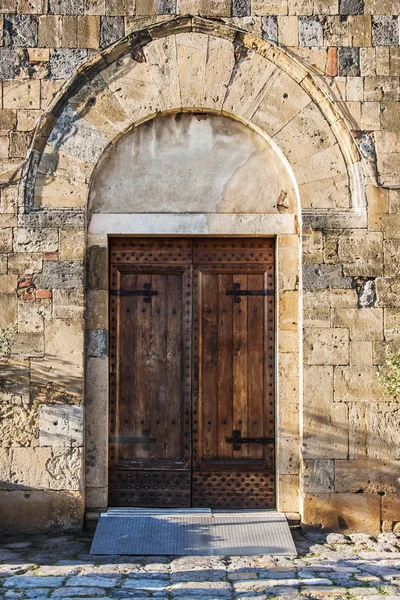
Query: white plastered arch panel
{"points": [[193, 65]]}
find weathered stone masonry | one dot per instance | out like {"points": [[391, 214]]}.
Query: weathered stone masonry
{"points": [[346, 475]]}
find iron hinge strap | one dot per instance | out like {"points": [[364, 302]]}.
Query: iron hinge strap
{"points": [[146, 292], [236, 292], [237, 440]]}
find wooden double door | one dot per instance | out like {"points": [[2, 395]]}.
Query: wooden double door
{"points": [[192, 373]]}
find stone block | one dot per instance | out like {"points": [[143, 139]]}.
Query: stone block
{"points": [[61, 425], [97, 309], [67, 7], [28, 344], [206, 8], [357, 383], [288, 273], [349, 62], [390, 507], [68, 304], [288, 341], [388, 291], [374, 430], [19, 144], [86, 144], [9, 63], [360, 31], [72, 244], [111, 29], [361, 253], [392, 257], [18, 422], [25, 263], [37, 511], [288, 31], [367, 476], [323, 346], [21, 94], [96, 397], [168, 7], [324, 423], [97, 268], [270, 29], [365, 324], [45, 468], [35, 240], [14, 381], [316, 308], [96, 498], [361, 354], [281, 103], [65, 61], [385, 30], [269, 7], [62, 275], [351, 7], [96, 342], [319, 277], [381, 88], [8, 117], [241, 8], [336, 32], [8, 309], [392, 318], [52, 219], [343, 512], [326, 7], [88, 31], [301, 7], [318, 476], [8, 284], [390, 114], [288, 310], [20, 30], [288, 500], [6, 240], [5, 467], [310, 31], [312, 249], [31, 315], [305, 134]]}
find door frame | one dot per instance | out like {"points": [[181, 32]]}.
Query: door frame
{"points": [[288, 322]]}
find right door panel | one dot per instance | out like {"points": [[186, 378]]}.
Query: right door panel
{"points": [[233, 376]]}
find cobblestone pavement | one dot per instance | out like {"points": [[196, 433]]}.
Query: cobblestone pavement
{"points": [[328, 566]]}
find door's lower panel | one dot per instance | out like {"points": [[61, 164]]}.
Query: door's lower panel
{"points": [[233, 489], [157, 489]]}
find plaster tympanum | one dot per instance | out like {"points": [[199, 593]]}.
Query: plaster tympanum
{"points": [[190, 162]]}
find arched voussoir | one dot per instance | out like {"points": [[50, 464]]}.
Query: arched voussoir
{"points": [[190, 63]]}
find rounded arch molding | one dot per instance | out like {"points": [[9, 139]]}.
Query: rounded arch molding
{"points": [[191, 63]]}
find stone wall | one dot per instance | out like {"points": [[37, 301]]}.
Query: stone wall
{"points": [[351, 282]]}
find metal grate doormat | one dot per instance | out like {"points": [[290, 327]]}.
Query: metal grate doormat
{"points": [[192, 533]]}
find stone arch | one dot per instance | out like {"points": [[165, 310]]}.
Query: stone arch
{"points": [[192, 63]]}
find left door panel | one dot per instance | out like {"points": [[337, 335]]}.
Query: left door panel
{"points": [[150, 383]]}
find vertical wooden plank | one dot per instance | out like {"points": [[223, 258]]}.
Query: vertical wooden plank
{"points": [[157, 370], [225, 366], [255, 320], [126, 360], [209, 391], [141, 404], [173, 368], [240, 408]]}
